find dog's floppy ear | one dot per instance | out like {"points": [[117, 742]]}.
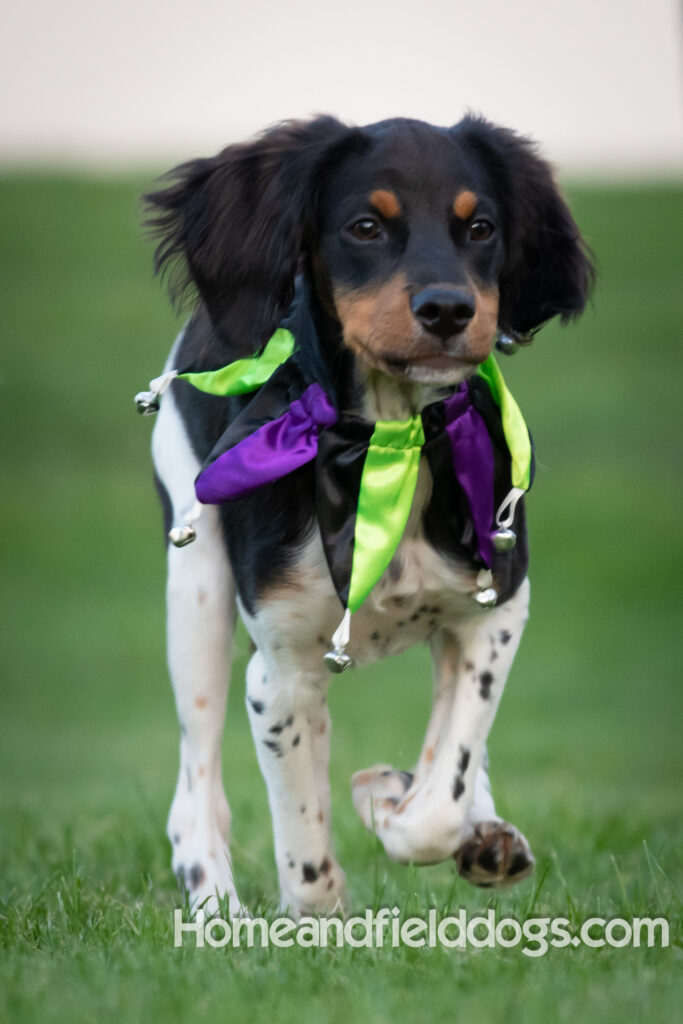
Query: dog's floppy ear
{"points": [[232, 227], [548, 268]]}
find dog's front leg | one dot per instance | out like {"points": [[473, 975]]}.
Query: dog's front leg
{"points": [[201, 612], [290, 724], [445, 808]]}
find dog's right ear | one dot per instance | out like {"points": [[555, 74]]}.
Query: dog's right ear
{"points": [[232, 227]]}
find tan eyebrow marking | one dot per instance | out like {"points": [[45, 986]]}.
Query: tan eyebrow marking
{"points": [[464, 204], [385, 202]]}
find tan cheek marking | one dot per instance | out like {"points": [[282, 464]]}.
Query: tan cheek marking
{"points": [[385, 202], [482, 329], [464, 204], [378, 322]]}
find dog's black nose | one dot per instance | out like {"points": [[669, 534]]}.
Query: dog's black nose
{"points": [[443, 311]]}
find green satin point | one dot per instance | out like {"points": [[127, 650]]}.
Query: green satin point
{"points": [[386, 494], [514, 427], [245, 375]]}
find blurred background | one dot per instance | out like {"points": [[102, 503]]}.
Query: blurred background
{"points": [[98, 99], [102, 84]]}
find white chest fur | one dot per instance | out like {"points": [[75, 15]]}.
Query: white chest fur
{"points": [[420, 592]]}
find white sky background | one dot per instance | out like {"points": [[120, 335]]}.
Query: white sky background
{"points": [[135, 82]]}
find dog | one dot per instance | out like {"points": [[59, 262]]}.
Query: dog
{"points": [[396, 254]]}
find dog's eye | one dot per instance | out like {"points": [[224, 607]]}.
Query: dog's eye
{"points": [[480, 230], [365, 229]]}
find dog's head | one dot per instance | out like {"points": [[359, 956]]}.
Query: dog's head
{"points": [[419, 242]]}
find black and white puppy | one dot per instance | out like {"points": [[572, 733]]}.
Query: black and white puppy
{"points": [[412, 247]]}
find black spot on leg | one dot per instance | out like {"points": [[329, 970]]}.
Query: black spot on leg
{"points": [[275, 747], [257, 705], [277, 729], [494, 654], [464, 760], [295, 741], [435, 610], [176, 838], [302, 809], [325, 866], [504, 636], [415, 616], [290, 863], [196, 876], [309, 872], [469, 667], [374, 636], [423, 609], [485, 684], [459, 784]]}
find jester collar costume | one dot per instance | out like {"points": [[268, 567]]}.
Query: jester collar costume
{"points": [[475, 441]]}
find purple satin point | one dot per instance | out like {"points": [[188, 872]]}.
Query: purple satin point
{"points": [[473, 465], [271, 452]]}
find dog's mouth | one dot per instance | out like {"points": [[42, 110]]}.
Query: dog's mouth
{"points": [[423, 365], [431, 360]]}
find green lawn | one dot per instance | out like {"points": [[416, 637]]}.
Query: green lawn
{"points": [[586, 752]]}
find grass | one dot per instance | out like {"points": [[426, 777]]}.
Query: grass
{"points": [[586, 751]]}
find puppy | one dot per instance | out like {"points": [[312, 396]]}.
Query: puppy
{"points": [[394, 256]]}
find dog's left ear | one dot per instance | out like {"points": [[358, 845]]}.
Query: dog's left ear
{"points": [[548, 269], [231, 227]]}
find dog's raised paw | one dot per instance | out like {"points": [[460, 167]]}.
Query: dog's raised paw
{"points": [[496, 856], [378, 789]]}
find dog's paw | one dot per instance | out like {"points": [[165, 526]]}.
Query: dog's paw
{"points": [[495, 856], [311, 888], [209, 886], [377, 789]]}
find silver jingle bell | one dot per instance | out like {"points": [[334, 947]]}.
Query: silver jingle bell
{"points": [[147, 402], [507, 345], [337, 661], [486, 598], [179, 536], [504, 539]]}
